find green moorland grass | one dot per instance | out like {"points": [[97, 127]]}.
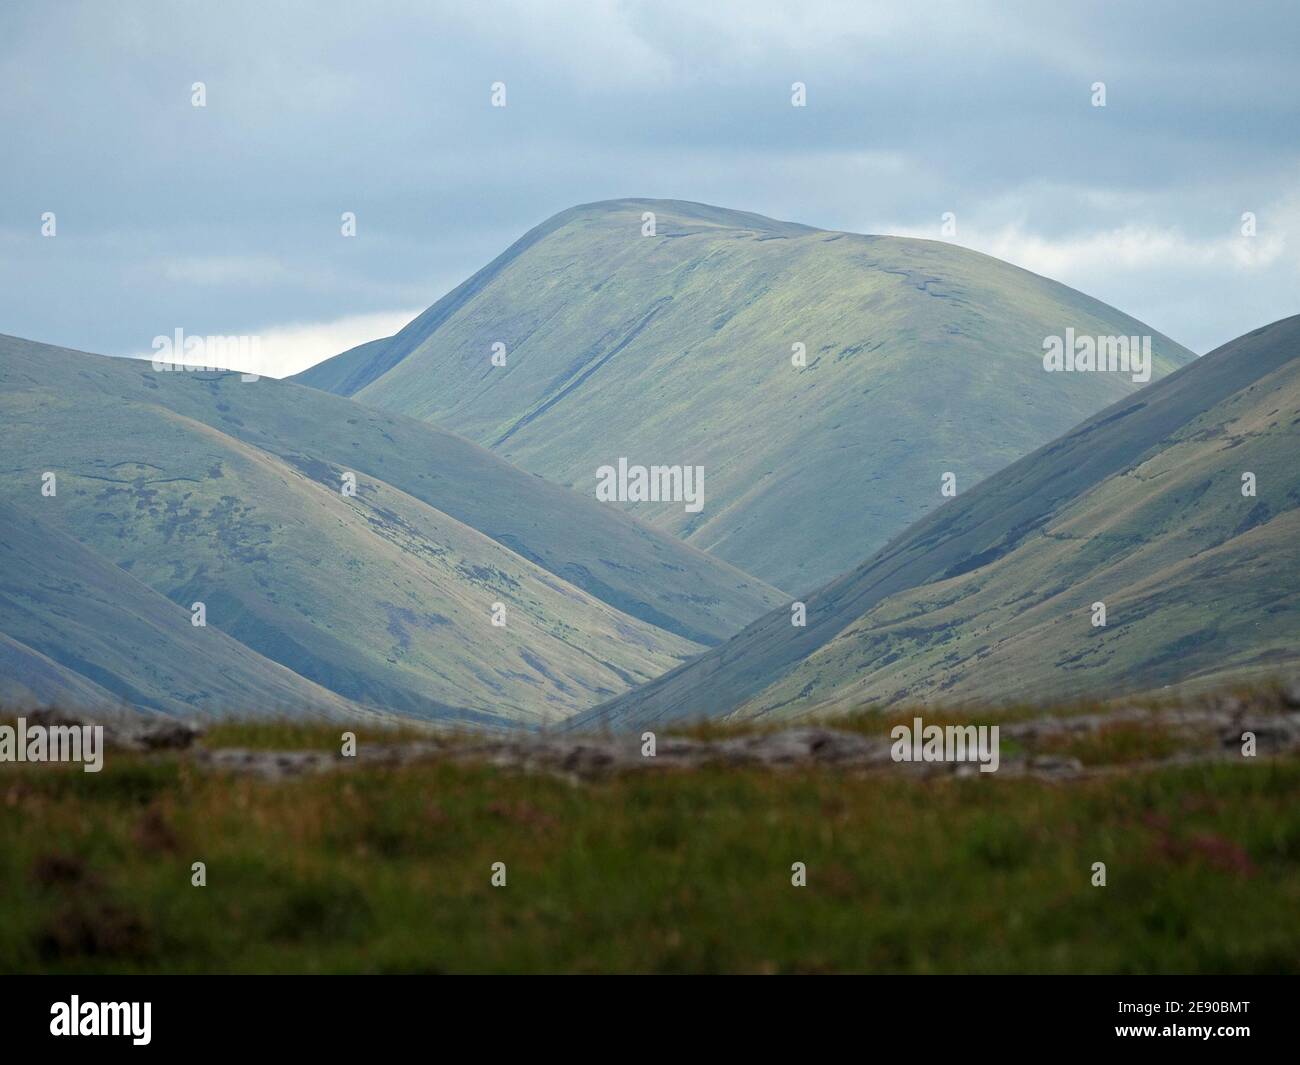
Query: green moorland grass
{"points": [[388, 870], [315, 735], [1116, 743]]}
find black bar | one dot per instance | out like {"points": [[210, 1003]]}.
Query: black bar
{"points": [[332, 1015]]}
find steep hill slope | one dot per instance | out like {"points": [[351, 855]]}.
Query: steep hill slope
{"points": [[922, 358], [205, 488], [991, 597], [78, 632]]}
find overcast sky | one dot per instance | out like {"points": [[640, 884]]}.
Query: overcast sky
{"points": [[226, 219]]}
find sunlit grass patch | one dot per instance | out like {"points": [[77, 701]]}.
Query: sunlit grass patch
{"points": [[1120, 743], [262, 734]]}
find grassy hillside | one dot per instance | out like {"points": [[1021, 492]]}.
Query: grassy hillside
{"points": [[201, 487], [607, 554], [79, 632], [990, 597], [922, 358]]}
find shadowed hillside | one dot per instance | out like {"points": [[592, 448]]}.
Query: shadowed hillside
{"points": [[991, 596], [199, 487], [78, 632]]}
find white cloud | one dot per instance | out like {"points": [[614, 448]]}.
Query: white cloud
{"points": [[1202, 288], [284, 350], [1129, 247]]}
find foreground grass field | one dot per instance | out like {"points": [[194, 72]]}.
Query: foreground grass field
{"points": [[379, 869]]}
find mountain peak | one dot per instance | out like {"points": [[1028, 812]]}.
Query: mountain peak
{"points": [[675, 212], [800, 367]]}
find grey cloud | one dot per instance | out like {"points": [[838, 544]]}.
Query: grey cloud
{"points": [[383, 109]]}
